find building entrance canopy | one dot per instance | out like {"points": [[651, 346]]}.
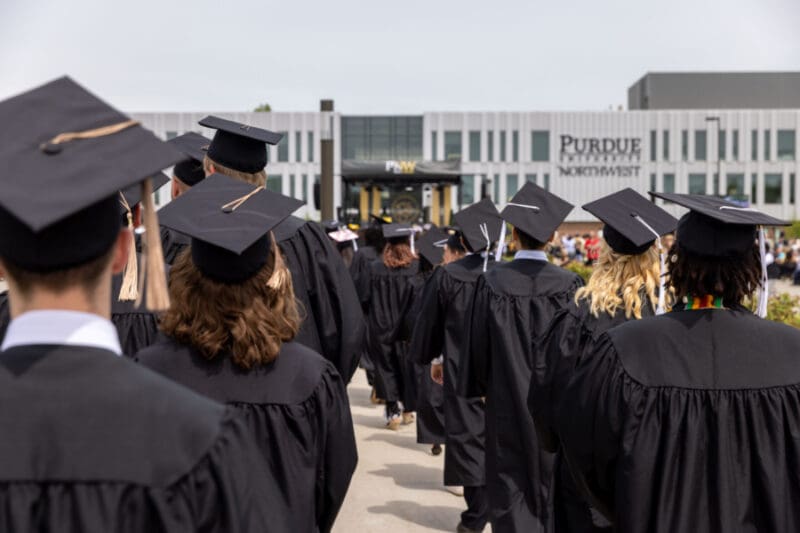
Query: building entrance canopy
{"points": [[379, 172]]}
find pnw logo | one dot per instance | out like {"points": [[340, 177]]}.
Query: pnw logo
{"points": [[600, 156], [401, 167]]}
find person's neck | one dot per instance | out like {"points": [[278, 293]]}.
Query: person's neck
{"points": [[72, 299]]}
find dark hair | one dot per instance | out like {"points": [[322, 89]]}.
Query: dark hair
{"points": [[86, 276], [733, 278], [527, 242], [373, 236]]}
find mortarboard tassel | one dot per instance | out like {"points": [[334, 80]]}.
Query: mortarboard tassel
{"points": [[763, 291], [130, 285], [501, 243], [153, 279], [485, 232], [662, 259]]}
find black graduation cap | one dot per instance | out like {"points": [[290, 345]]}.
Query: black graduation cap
{"points": [[454, 240], [331, 225], [65, 156], [229, 222], [429, 248], [190, 171], [536, 211], [239, 146], [471, 219], [632, 222], [133, 194], [717, 228]]}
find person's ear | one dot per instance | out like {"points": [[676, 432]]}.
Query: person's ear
{"points": [[121, 248], [210, 169]]}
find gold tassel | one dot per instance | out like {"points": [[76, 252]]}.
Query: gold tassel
{"points": [[153, 281], [130, 284], [278, 277]]}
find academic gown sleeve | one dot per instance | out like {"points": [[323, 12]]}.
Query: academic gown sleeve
{"points": [[474, 375], [340, 457], [332, 298], [590, 420], [427, 339]]}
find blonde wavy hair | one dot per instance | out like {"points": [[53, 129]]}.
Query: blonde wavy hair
{"points": [[618, 281], [249, 321]]}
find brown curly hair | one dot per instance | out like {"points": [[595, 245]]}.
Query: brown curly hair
{"points": [[397, 254], [249, 321], [733, 278]]}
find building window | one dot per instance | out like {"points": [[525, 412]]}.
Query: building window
{"points": [[434, 146], [697, 183], [502, 146], [298, 145], [474, 146], [721, 145], [665, 144], [490, 145], [715, 192], [283, 147], [668, 182], [171, 134], [381, 138], [786, 142], [754, 145], [700, 145], [546, 184], [754, 189], [275, 183], [512, 185], [653, 137], [311, 146], [735, 145], [773, 188], [467, 190], [304, 192], [540, 145], [515, 146], [496, 197], [452, 145], [292, 186], [530, 178], [791, 189], [653, 183], [685, 145], [767, 147], [734, 187]]}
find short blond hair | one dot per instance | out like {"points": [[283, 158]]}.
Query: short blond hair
{"points": [[253, 178]]}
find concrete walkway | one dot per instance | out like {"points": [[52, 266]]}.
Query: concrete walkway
{"points": [[398, 484]]}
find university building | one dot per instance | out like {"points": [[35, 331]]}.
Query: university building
{"points": [[424, 167]]}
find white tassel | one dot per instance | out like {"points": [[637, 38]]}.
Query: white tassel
{"points": [[485, 233], [662, 260], [763, 292], [355, 245], [501, 244], [413, 249]]}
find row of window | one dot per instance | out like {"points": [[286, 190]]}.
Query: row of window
{"points": [[785, 148], [540, 146], [275, 184], [490, 186], [734, 186], [283, 146]]}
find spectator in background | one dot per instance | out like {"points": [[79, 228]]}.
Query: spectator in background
{"points": [[593, 246]]}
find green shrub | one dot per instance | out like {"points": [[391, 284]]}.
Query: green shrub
{"points": [[580, 269], [784, 308]]}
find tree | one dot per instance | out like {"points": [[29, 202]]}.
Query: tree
{"points": [[263, 108]]}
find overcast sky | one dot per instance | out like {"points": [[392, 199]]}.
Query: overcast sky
{"points": [[377, 56]]}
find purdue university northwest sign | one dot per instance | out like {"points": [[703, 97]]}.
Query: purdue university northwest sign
{"points": [[600, 156]]}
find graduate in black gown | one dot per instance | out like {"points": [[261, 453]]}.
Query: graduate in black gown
{"points": [[229, 337], [93, 442], [625, 285], [430, 395], [514, 303], [333, 324], [439, 332], [388, 295], [688, 421], [5, 314]]}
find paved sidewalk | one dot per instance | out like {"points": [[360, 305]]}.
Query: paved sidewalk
{"points": [[398, 485]]}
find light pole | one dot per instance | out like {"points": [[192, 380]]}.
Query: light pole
{"points": [[719, 154]]}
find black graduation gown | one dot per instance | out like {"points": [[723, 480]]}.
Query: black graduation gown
{"points": [[513, 305], [689, 422], [93, 442], [173, 243], [333, 324], [298, 410], [5, 314], [389, 294], [439, 330], [429, 394], [558, 351], [359, 271], [136, 326]]}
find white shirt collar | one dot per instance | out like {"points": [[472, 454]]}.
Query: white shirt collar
{"points": [[538, 255], [70, 328]]}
